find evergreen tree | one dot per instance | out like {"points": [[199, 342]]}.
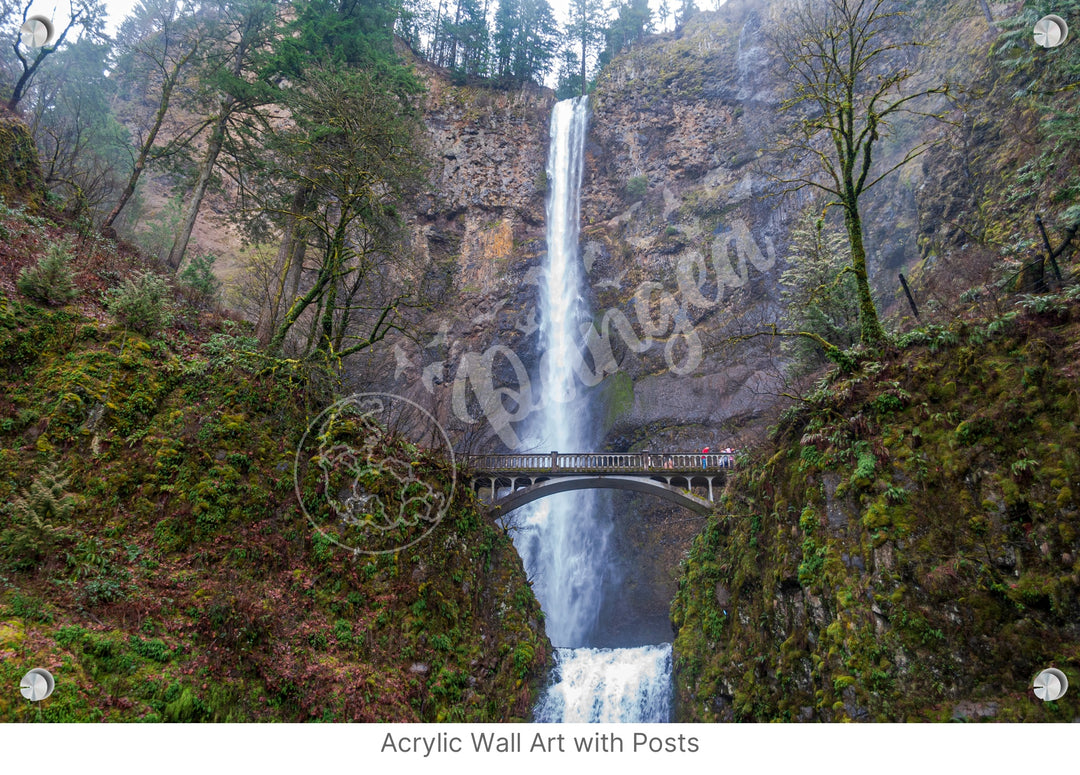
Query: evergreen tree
{"points": [[686, 11], [353, 150], [664, 13], [569, 82], [633, 22], [525, 40], [303, 178], [819, 297], [586, 27], [467, 36]]}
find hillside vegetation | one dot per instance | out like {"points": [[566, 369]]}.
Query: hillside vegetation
{"points": [[907, 547], [153, 556]]}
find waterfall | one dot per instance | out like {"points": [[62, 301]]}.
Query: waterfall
{"points": [[563, 539], [606, 685]]}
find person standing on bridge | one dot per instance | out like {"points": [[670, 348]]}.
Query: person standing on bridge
{"points": [[704, 458]]}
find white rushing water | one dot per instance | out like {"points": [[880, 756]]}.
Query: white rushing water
{"points": [[562, 539], [609, 685]]}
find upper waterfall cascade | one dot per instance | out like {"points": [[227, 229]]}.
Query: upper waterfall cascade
{"points": [[564, 538]]}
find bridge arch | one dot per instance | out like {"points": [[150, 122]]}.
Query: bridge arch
{"points": [[541, 487]]}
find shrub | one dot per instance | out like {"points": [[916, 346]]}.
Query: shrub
{"points": [[636, 188], [198, 277], [141, 304], [51, 280]]}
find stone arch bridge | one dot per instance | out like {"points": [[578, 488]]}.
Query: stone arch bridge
{"points": [[507, 481]]}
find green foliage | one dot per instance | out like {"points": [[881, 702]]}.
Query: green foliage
{"points": [[30, 607], [190, 556], [346, 120], [157, 234], [523, 659], [524, 40], [1046, 80], [633, 21], [813, 561], [39, 518], [946, 471], [86, 147], [51, 280], [141, 304], [636, 188], [198, 276]]}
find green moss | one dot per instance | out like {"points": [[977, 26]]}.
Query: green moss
{"points": [[930, 560], [20, 171], [184, 470], [618, 397]]}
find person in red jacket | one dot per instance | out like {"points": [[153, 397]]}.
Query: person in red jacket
{"points": [[704, 452]]}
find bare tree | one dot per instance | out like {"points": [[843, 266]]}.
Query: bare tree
{"points": [[87, 15], [849, 61], [163, 40]]}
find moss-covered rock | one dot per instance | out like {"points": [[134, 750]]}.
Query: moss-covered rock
{"points": [[187, 585], [901, 551], [20, 171]]}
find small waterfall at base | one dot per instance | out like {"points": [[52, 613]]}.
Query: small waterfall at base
{"points": [[609, 685], [562, 539]]}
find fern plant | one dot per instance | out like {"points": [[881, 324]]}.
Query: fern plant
{"points": [[38, 519]]}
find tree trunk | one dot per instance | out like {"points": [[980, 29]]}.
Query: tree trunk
{"points": [[144, 151], [27, 74], [986, 11], [206, 171], [454, 37], [871, 332], [289, 253]]}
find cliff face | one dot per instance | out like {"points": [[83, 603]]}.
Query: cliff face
{"points": [[686, 228]]}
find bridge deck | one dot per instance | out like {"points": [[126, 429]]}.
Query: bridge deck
{"points": [[589, 463]]}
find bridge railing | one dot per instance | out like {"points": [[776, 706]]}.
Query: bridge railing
{"points": [[607, 462]]}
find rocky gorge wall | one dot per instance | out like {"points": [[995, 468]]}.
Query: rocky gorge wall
{"points": [[686, 230], [685, 233]]}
